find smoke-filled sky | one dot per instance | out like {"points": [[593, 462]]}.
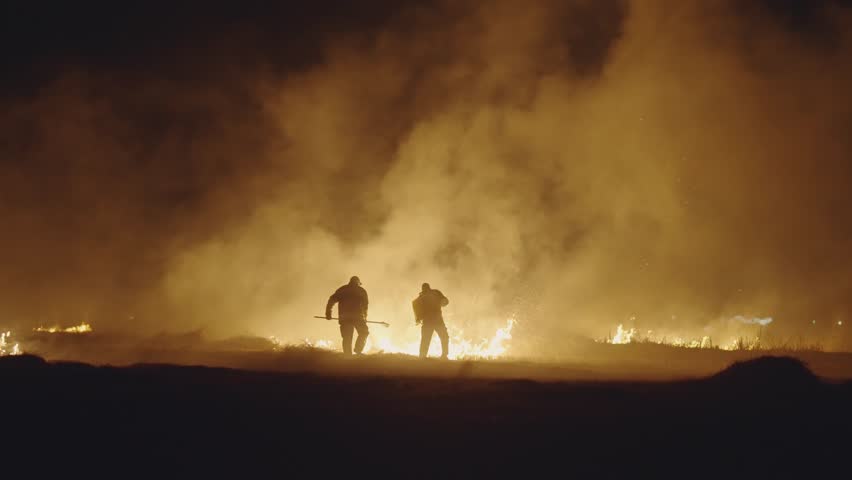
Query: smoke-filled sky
{"points": [[173, 166]]}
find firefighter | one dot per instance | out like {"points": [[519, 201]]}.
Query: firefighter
{"points": [[351, 300], [427, 311]]}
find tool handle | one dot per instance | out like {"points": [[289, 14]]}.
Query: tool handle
{"points": [[368, 321]]}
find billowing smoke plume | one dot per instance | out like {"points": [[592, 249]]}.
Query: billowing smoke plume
{"points": [[572, 164]]}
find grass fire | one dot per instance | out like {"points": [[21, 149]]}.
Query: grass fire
{"points": [[426, 239]]}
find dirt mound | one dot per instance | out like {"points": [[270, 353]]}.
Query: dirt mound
{"points": [[21, 361], [768, 372]]}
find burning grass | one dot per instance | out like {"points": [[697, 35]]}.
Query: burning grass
{"points": [[628, 354], [7, 347], [462, 347], [81, 328], [765, 343], [625, 336], [738, 333]]}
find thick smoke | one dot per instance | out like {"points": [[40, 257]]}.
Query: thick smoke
{"points": [[573, 164]]}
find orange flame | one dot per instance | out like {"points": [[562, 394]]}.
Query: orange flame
{"points": [[460, 347], [82, 328], [5, 348]]}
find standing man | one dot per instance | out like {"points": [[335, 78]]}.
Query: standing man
{"points": [[427, 310], [351, 300]]}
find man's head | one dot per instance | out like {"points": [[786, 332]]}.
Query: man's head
{"points": [[355, 281], [425, 288]]}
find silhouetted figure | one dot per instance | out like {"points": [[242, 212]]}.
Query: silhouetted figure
{"points": [[427, 310], [351, 300]]}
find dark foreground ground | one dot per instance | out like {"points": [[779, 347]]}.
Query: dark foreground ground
{"points": [[767, 418]]}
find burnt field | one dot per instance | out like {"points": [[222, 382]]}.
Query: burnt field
{"points": [[765, 417]]}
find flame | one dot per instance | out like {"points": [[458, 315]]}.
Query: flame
{"points": [[624, 336], [460, 347], [82, 328], [321, 344], [277, 344], [490, 348], [5, 348]]}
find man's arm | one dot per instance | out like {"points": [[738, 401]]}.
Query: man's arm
{"points": [[366, 302], [417, 318], [444, 300], [328, 306]]}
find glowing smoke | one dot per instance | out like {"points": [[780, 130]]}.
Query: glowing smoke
{"points": [[574, 162], [753, 321]]}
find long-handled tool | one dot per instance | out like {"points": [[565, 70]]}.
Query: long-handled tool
{"points": [[386, 324]]}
